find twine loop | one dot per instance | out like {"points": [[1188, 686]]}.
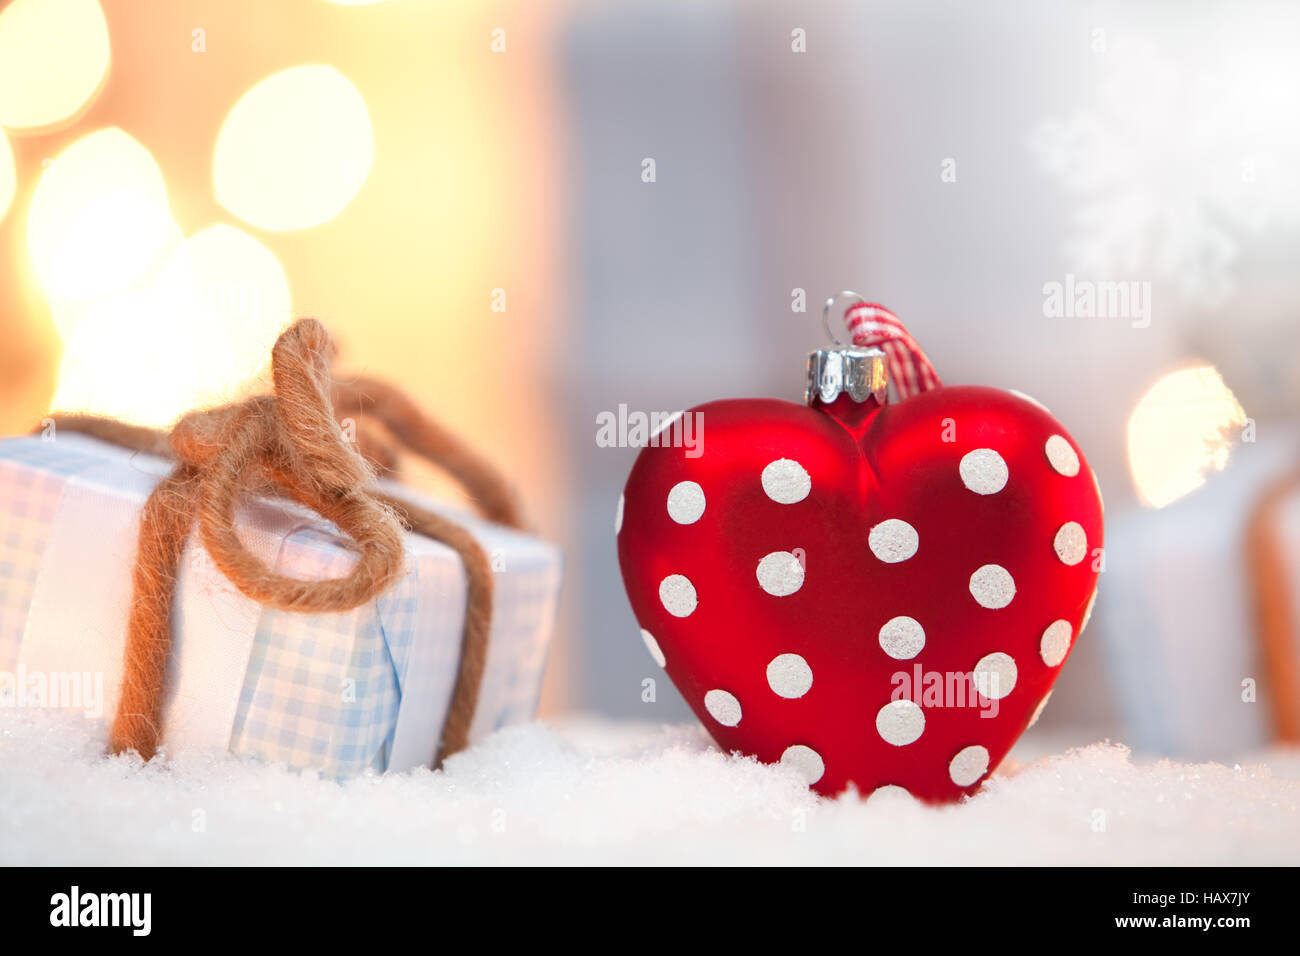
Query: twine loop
{"points": [[291, 441]]}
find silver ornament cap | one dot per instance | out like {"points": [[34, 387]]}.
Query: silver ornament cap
{"points": [[860, 373]]}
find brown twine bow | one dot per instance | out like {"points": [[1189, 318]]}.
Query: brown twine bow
{"points": [[291, 444]]}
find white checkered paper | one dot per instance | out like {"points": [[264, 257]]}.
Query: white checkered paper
{"points": [[339, 693]]}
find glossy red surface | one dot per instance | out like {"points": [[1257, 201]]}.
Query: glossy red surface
{"points": [[866, 464]]}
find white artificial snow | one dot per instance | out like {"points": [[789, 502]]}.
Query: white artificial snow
{"points": [[589, 792]]}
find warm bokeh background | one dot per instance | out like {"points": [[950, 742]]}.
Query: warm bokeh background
{"points": [[945, 159], [462, 199]]}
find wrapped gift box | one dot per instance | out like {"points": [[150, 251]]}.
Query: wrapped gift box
{"points": [[1176, 611], [339, 693]]}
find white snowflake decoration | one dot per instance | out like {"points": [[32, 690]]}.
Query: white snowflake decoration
{"points": [[1172, 165]]}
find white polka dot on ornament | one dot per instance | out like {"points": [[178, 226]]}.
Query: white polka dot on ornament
{"points": [[983, 471], [992, 586], [806, 761], [723, 707], [786, 481], [1087, 612], [890, 793], [893, 540], [677, 594], [902, 637], [995, 675], [1071, 543], [1038, 711], [1061, 456], [1029, 398], [789, 676], [969, 765], [686, 502], [900, 722], [780, 573], [652, 646], [1055, 643], [618, 516]]}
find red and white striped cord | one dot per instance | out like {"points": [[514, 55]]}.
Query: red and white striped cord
{"points": [[872, 324]]}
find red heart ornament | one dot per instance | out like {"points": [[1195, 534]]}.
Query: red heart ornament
{"points": [[878, 595]]}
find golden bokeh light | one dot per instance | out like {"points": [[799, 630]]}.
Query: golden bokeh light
{"points": [[54, 57], [8, 176], [99, 217], [232, 290], [294, 150], [1181, 428], [188, 336], [120, 358]]}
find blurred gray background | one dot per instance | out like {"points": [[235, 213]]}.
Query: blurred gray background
{"points": [[1150, 142]]}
